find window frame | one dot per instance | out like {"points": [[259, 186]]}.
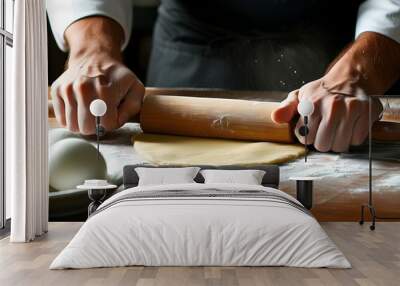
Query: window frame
{"points": [[6, 39]]}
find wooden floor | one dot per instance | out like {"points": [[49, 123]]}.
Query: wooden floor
{"points": [[375, 257]]}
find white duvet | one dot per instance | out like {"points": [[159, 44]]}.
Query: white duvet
{"points": [[190, 231]]}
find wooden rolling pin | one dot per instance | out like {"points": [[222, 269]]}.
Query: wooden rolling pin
{"points": [[213, 117], [228, 118], [202, 116]]}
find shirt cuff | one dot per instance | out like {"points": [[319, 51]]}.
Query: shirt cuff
{"points": [[63, 13], [380, 16]]}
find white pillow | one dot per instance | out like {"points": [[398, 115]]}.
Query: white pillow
{"points": [[166, 176], [246, 177]]}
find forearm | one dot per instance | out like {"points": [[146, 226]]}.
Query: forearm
{"points": [[372, 63], [94, 35]]}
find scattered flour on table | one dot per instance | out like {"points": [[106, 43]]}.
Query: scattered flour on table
{"points": [[341, 174]]}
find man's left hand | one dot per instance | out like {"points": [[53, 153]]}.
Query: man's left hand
{"points": [[339, 120]]}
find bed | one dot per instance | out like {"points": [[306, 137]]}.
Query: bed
{"points": [[198, 224]]}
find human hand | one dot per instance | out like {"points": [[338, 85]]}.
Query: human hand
{"points": [[95, 70], [340, 117], [96, 76]]}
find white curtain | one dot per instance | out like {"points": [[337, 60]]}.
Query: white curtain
{"points": [[26, 124]]}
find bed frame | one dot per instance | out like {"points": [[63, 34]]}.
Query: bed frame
{"points": [[270, 179]]}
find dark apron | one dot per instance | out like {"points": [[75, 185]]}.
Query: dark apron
{"points": [[248, 44]]}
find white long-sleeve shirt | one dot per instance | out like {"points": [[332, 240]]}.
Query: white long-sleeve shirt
{"points": [[380, 16]]}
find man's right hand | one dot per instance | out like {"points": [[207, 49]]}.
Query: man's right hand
{"points": [[95, 70]]}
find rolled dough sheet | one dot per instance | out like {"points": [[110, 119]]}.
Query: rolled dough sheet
{"points": [[181, 150]]}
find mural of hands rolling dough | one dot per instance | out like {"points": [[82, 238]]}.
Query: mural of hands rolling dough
{"points": [[219, 74]]}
